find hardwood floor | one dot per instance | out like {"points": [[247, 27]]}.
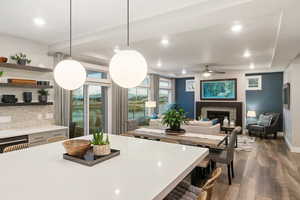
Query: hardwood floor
{"points": [[269, 172]]}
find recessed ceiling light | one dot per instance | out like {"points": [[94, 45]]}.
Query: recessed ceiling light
{"points": [[159, 64], [247, 54], [116, 49], [252, 66], [236, 28], [39, 21], [164, 42], [183, 71]]}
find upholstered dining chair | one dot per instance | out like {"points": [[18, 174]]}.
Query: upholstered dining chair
{"points": [[226, 156], [210, 183], [15, 147]]}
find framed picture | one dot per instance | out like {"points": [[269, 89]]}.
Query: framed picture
{"points": [[190, 85], [254, 82], [286, 95], [218, 89]]}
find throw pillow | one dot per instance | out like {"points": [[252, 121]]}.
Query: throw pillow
{"points": [[264, 120], [214, 121]]}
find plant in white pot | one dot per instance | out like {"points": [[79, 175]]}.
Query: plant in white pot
{"points": [[101, 145], [2, 80]]}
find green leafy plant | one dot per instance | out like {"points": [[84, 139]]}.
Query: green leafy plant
{"points": [[174, 118], [21, 56], [43, 92], [100, 139], [1, 73]]}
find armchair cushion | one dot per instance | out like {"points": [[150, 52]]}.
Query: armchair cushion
{"points": [[256, 127], [264, 120]]}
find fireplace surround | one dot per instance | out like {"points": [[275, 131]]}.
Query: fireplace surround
{"points": [[234, 110]]}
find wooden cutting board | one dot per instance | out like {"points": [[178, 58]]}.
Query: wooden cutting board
{"points": [[22, 81]]}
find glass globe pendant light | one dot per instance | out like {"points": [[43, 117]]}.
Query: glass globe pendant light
{"points": [[70, 74], [128, 68]]}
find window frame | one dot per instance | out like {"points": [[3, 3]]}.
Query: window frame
{"points": [[141, 86]]}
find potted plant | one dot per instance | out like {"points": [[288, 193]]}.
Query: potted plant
{"points": [[43, 96], [21, 59], [101, 145], [174, 118], [2, 80]]}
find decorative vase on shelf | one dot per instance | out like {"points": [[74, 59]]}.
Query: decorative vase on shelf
{"points": [[22, 62], [43, 98], [27, 97], [225, 121]]}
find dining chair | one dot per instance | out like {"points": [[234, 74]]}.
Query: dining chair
{"points": [[185, 191], [226, 156], [210, 183], [15, 147]]}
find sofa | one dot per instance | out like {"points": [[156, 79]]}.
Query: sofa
{"points": [[205, 127]]}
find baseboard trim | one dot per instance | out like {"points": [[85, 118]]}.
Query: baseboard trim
{"points": [[291, 147]]}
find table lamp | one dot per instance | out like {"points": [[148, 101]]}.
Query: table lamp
{"points": [[251, 113], [151, 104]]}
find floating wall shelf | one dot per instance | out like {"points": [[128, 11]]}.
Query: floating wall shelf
{"points": [[26, 104], [25, 67], [25, 86]]}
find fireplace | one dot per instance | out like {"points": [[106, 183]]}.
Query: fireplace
{"points": [[220, 109], [220, 115]]}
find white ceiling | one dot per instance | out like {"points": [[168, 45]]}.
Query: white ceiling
{"points": [[198, 30]]}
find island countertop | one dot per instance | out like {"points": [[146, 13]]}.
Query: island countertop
{"points": [[145, 170], [28, 131]]}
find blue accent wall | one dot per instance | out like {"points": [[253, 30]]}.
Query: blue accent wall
{"points": [[185, 99], [269, 99]]}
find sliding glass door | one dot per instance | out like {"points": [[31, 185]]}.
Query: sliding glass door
{"points": [[97, 107], [88, 110]]}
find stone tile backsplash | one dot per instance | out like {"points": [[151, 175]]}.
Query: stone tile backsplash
{"points": [[26, 116]]}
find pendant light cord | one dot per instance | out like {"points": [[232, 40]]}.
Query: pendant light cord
{"points": [[128, 23], [70, 28]]}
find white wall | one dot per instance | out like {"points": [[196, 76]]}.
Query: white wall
{"points": [[35, 51], [292, 116]]}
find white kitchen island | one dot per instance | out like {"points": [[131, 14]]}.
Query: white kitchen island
{"points": [[145, 170]]}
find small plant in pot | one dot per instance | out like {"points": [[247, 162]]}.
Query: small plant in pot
{"points": [[21, 59], [174, 118], [101, 145], [43, 96]]}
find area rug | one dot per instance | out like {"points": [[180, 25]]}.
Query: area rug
{"points": [[245, 143]]}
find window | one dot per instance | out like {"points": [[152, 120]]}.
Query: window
{"points": [[95, 74], [136, 100], [88, 110], [165, 94], [254, 83]]}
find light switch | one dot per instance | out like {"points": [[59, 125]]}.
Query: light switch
{"points": [[5, 119]]}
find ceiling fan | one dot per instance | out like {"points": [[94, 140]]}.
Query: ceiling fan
{"points": [[208, 72]]}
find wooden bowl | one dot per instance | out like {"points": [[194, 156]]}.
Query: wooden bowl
{"points": [[3, 59], [77, 147]]}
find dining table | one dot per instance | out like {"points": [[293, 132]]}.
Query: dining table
{"points": [[144, 170], [212, 141]]}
